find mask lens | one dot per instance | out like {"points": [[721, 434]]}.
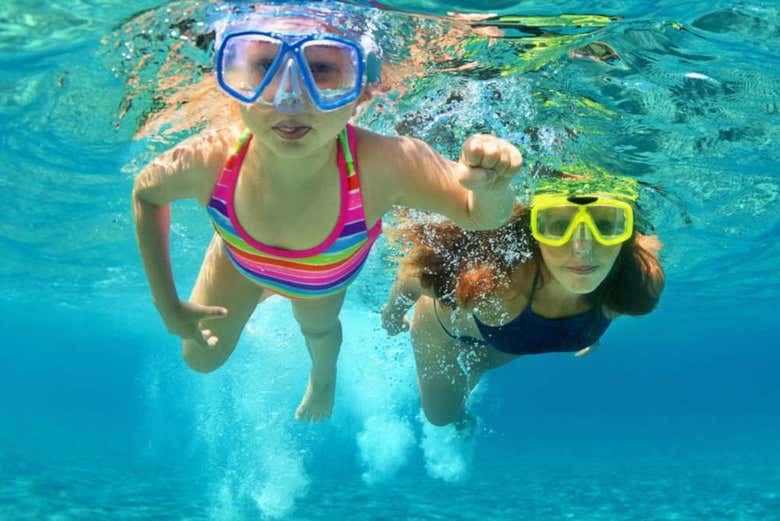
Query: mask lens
{"points": [[246, 61], [610, 221], [554, 222], [334, 68]]}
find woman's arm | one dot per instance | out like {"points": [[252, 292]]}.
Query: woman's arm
{"points": [[403, 295], [610, 314]]}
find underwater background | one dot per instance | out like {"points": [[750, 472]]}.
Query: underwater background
{"points": [[674, 417]]}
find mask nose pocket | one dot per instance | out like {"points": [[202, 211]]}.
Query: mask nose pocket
{"points": [[289, 96], [582, 238]]}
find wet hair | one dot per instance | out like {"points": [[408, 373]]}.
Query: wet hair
{"points": [[463, 268]]}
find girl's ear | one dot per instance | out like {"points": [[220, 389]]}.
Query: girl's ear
{"points": [[365, 96]]}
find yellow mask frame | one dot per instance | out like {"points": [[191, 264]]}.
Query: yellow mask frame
{"points": [[595, 211]]}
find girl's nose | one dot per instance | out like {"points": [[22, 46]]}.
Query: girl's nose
{"points": [[290, 81]]}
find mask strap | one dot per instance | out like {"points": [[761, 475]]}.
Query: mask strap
{"points": [[373, 68]]}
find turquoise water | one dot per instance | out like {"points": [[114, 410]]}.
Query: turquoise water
{"points": [[674, 417]]}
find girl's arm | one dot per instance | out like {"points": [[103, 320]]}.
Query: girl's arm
{"points": [[485, 169], [403, 295], [474, 192], [186, 171]]}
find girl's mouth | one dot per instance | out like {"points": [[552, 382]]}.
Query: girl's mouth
{"points": [[291, 131]]}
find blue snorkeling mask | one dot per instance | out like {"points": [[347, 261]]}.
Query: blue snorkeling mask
{"points": [[289, 71]]}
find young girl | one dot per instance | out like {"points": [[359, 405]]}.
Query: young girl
{"points": [[296, 198], [480, 303]]}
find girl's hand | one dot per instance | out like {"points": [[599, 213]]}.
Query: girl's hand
{"points": [[186, 321], [393, 320], [488, 163]]}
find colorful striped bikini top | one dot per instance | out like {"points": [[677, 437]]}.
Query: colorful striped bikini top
{"points": [[323, 270]]}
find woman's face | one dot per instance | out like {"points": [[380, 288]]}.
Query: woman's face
{"points": [[581, 264]]}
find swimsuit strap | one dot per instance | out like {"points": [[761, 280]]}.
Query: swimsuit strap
{"points": [[348, 161], [229, 174], [347, 143], [438, 319], [242, 140], [470, 340]]}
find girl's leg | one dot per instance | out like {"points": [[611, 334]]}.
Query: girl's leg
{"points": [[447, 370], [321, 328], [220, 284]]}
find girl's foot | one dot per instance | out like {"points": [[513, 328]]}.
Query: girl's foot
{"points": [[317, 403]]}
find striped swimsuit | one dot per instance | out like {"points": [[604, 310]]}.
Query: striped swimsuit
{"points": [[316, 272]]}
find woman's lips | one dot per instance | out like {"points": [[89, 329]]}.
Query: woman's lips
{"points": [[582, 270], [291, 131]]}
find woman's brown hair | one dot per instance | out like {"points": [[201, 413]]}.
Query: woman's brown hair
{"points": [[462, 268]]}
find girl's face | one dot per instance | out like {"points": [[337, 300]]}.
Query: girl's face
{"points": [[295, 133], [581, 264], [301, 131]]}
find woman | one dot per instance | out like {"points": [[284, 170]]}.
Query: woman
{"points": [[551, 280]]}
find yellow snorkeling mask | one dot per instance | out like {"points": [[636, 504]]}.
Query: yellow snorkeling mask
{"points": [[600, 203]]}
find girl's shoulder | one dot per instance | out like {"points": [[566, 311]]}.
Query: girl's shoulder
{"points": [[383, 147], [215, 146], [369, 142], [206, 148], [204, 155], [393, 161]]}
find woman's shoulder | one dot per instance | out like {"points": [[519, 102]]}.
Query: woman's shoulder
{"points": [[524, 276], [507, 301], [609, 313]]}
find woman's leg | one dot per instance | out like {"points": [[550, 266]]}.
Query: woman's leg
{"points": [[220, 284], [447, 369], [321, 328]]}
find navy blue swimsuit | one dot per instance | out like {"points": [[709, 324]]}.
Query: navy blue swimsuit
{"points": [[531, 334]]}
